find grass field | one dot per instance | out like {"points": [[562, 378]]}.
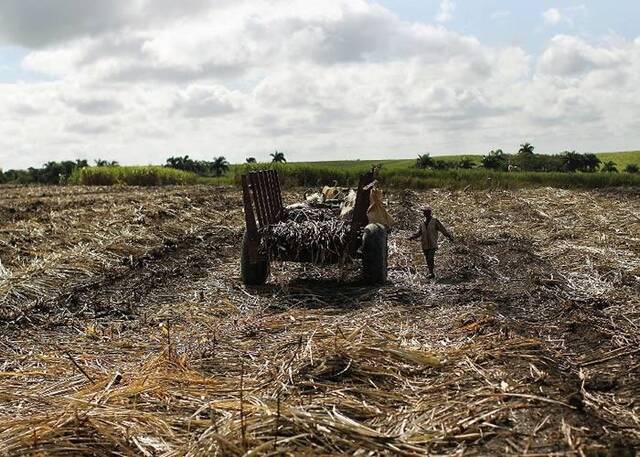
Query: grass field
{"points": [[399, 173], [402, 174], [394, 164], [621, 159]]}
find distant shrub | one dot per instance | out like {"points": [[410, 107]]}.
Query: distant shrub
{"points": [[18, 177], [131, 176], [54, 172], [443, 165], [632, 168], [496, 160], [526, 160], [424, 161], [218, 167], [573, 161], [466, 164], [609, 167]]}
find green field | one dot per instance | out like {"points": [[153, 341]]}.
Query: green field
{"points": [[131, 176], [399, 173], [622, 159], [395, 164]]}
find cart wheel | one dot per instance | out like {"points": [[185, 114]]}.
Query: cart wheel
{"points": [[374, 254], [252, 273]]}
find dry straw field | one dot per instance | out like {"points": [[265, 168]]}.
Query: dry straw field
{"points": [[124, 330]]}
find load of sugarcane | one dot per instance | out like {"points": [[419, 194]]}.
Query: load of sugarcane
{"points": [[303, 213], [306, 235]]}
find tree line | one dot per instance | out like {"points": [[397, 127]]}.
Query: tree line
{"points": [[524, 160], [219, 166], [51, 172], [527, 160], [58, 172]]}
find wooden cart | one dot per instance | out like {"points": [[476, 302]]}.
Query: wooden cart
{"points": [[263, 206]]}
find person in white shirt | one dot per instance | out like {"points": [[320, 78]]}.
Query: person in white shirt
{"points": [[428, 233]]}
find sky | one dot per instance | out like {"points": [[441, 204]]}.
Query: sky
{"points": [[143, 80]]}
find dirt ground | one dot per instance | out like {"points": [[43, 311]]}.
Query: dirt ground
{"points": [[124, 330]]}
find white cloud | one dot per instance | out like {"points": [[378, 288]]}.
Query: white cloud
{"points": [[569, 56], [199, 101], [447, 8], [316, 79], [552, 16], [568, 16]]}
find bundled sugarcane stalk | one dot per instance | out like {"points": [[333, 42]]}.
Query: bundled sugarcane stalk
{"points": [[319, 242], [307, 234], [303, 213]]}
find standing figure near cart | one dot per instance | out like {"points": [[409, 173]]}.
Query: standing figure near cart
{"points": [[428, 233]]}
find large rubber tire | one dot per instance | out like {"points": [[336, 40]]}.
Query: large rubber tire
{"points": [[252, 273], [375, 251]]}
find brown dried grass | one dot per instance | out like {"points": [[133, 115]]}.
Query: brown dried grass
{"points": [[526, 345]]}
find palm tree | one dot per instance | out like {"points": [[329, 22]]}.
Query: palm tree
{"points": [[591, 162], [609, 167], [220, 165], [496, 160], [180, 163], [105, 163], [526, 159], [251, 160], [278, 157], [424, 161], [526, 149]]}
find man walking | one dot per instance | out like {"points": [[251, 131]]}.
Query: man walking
{"points": [[428, 235]]}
